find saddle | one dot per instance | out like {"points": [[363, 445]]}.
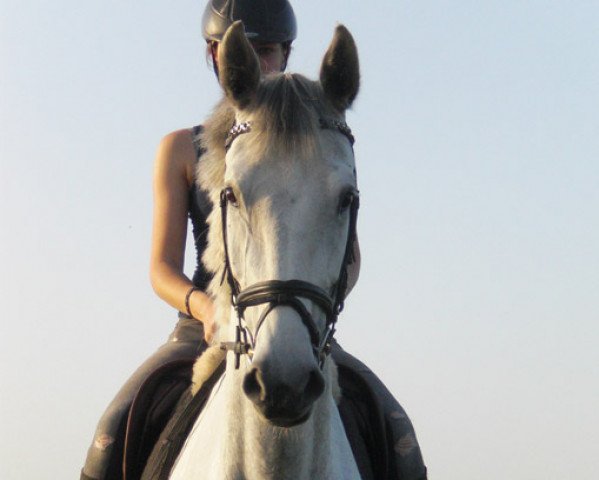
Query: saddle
{"points": [[164, 411]]}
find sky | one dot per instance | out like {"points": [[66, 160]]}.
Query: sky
{"points": [[477, 144]]}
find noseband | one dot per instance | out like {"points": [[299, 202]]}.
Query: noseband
{"points": [[277, 293]]}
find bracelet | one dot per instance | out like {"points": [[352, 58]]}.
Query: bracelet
{"points": [[187, 297]]}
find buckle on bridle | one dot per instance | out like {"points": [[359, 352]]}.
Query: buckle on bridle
{"points": [[240, 346]]}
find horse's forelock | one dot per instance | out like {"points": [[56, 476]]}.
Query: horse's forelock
{"points": [[287, 109]]}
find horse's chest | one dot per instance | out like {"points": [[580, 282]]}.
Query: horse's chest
{"points": [[228, 441]]}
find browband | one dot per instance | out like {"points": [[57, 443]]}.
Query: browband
{"points": [[326, 124]]}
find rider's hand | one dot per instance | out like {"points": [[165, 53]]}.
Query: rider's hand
{"points": [[202, 308]]}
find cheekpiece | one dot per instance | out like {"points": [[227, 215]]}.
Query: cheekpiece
{"points": [[339, 125]]}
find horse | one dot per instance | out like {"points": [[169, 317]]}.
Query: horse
{"points": [[281, 233]]}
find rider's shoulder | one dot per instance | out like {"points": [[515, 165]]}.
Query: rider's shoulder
{"points": [[176, 148], [179, 141]]}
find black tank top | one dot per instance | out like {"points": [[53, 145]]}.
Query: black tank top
{"points": [[199, 209]]}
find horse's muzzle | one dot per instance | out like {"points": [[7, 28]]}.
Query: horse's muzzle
{"points": [[282, 404]]}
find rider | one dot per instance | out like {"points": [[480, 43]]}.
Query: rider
{"points": [[271, 28]]}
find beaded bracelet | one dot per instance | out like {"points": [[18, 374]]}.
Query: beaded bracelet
{"points": [[187, 297]]}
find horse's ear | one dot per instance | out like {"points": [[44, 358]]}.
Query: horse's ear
{"points": [[340, 70], [238, 66]]}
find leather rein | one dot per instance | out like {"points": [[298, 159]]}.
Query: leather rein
{"points": [[276, 293]]}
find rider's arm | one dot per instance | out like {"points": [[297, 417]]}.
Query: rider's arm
{"points": [[173, 175]]}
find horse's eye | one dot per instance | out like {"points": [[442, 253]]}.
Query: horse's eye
{"points": [[230, 196], [346, 200]]}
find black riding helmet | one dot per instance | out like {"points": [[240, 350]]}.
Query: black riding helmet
{"points": [[268, 21]]}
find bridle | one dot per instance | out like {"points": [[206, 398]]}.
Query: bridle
{"points": [[276, 293]]}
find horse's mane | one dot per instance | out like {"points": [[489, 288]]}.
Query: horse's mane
{"points": [[285, 115]]}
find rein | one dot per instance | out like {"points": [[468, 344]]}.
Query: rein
{"points": [[276, 293]]}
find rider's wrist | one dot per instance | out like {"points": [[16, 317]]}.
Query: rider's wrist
{"points": [[188, 296]]}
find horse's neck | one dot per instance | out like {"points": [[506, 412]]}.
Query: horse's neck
{"points": [[230, 441]]}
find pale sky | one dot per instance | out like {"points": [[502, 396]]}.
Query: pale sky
{"points": [[478, 161]]}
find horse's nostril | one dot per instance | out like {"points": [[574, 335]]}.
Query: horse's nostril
{"points": [[315, 386], [253, 386]]}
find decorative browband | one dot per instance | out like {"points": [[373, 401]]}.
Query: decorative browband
{"points": [[328, 124], [236, 130]]}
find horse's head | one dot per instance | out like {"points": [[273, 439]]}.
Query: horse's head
{"points": [[286, 198]]}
